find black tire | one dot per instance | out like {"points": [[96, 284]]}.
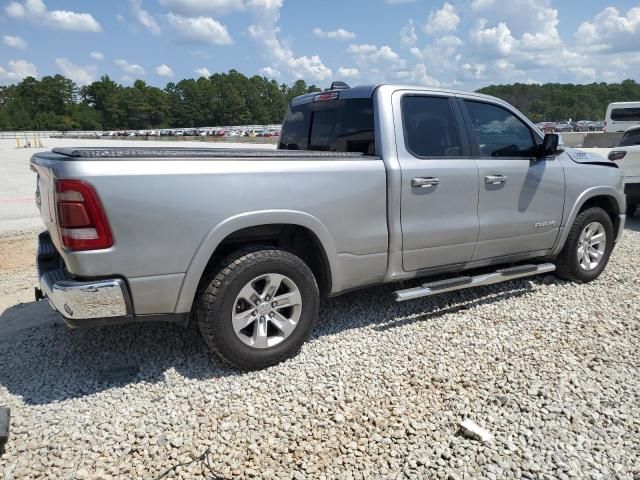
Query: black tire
{"points": [[567, 264], [631, 209], [217, 296]]}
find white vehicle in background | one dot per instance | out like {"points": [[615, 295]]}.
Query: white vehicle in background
{"points": [[627, 155], [621, 116]]}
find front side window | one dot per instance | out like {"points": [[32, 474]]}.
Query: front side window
{"points": [[330, 126], [626, 114], [430, 128], [630, 139], [498, 132]]}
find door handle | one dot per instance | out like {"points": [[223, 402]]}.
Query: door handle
{"points": [[495, 179], [424, 182]]}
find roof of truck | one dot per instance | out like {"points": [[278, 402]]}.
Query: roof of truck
{"points": [[366, 91]]}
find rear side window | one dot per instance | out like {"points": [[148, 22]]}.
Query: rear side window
{"points": [[630, 139], [330, 126], [430, 128], [498, 132], [626, 114]]}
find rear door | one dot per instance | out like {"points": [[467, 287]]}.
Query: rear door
{"points": [[521, 197], [439, 196]]}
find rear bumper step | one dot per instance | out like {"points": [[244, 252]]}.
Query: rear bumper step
{"points": [[460, 283], [75, 300]]}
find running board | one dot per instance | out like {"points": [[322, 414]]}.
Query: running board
{"points": [[460, 283]]}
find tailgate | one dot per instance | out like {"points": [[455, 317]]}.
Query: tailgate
{"points": [[45, 198]]}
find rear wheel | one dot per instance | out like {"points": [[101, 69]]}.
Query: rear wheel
{"points": [[257, 307], [588, 247]]}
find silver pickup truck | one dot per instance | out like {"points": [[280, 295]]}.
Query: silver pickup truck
{"points": [[369, 185]]}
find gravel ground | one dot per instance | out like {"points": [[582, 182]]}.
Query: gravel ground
{"points": [[550, 368]]}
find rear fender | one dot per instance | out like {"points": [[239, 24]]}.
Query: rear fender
{"points": [[245, 220]]}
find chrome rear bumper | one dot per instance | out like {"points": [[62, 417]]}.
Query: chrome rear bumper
{"points": [[75, 300]]}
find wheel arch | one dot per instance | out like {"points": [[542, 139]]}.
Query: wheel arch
{"points": [[297, 232], [609, 199]]}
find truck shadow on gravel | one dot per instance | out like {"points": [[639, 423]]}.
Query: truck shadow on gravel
{"points": [[48, 362], [633, 223]]}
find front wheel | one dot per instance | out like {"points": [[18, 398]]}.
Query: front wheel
{"points": [[257, 307], [588, 247]]}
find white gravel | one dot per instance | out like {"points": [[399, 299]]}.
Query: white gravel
{"points": [[550, 368]]}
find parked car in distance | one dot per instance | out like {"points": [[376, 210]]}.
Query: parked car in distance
{"points": [[627, 155], [621, 116], [369, 185]]}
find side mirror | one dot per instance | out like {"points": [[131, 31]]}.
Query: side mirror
{"points": [[549, 145]]}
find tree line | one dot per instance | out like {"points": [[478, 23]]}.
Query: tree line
{"points": [[560, 102], [57, 103]]}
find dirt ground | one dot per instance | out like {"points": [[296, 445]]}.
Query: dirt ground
{"points": [[17, 280]]}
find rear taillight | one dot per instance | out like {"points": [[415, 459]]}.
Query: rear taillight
{"points": [[80, 217], [604, 129], [323, 97], [616, 155]]}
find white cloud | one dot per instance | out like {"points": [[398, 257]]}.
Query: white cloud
{"points": [[130, 68], [18, 70], [585, 74], [203, 72], [164, 70], [73, 22], [609, 30], [339, 34], [200, 30], [198, 7], [533, 22], [408, 35], [36, 11], [265, 31], [348, 72], [15, 10], [144, 18], [443, 20], [449, 41], [270, 72], [367, 55], [495, 41], [14, 42], [420, 76], [80, 75], [364, 49], [476, 71], [97, 55]]}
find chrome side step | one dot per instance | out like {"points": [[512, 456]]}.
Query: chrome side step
{"points": [[460, 283]]}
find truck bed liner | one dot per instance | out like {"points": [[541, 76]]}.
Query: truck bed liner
{"points": [[193, 153]]}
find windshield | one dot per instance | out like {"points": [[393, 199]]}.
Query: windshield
{"points": [[631, 138], [330, 126]]}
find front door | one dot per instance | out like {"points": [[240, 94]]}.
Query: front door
{"points": [[521, 197], [439, 201]]}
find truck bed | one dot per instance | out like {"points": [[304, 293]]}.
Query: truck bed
{"points": [[168, 209], [171, 153]]}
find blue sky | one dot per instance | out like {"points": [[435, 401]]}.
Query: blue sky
{"points": [[458, 43]]}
